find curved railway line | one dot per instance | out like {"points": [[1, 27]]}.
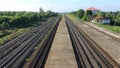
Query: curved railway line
{"points": [[14, 53], [88, 53]]}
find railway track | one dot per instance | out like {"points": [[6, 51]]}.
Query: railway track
{"points": [[88, 53], [14, 53], [40, 59], [8, 47]]}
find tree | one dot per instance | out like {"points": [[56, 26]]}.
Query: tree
{"points": [[22, 18], [80, 13], [108, 15], [89, 13], [101, 14], [87, 16], [73, 12], [49, 13], [41, 13], [118, 19]]}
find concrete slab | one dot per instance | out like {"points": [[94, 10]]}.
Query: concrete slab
{"points": [[61, 54]]}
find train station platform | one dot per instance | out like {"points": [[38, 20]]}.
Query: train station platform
{"points": [[61, 54]]}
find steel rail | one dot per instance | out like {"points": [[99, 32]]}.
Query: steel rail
{"points": [[88, 53], [29, 44]]}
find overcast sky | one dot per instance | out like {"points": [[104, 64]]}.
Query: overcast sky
{"points": [[58, 5]]}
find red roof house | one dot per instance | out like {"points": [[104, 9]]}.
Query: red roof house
{"points": [[94, 10]]}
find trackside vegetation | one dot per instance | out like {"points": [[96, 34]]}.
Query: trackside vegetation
{"points": [[86, 15], [16, 23], [22, 19], [109, 27]]}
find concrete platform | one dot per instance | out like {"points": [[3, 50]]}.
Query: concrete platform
{"points": [[61, 54]]}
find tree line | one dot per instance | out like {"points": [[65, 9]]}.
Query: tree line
{"points": [[11, 19], [88, 16]]}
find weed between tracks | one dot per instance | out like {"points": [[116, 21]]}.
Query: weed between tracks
{"points": [[27, 60]]}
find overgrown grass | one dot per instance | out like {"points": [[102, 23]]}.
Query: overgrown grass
{"points": [[74, 18], [8, 34], [4, 33], [109, 27], [14, 33]]}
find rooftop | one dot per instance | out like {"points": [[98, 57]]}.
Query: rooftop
{"points": [[92, 8]]}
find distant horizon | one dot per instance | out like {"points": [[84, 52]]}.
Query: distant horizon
{"points": [[58, 6], [55, 11]]}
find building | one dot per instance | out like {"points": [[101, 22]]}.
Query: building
{"points": [[93, 10], [101, 20]]}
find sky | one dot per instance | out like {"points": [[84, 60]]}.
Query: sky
{"points": [[58, 5]]}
